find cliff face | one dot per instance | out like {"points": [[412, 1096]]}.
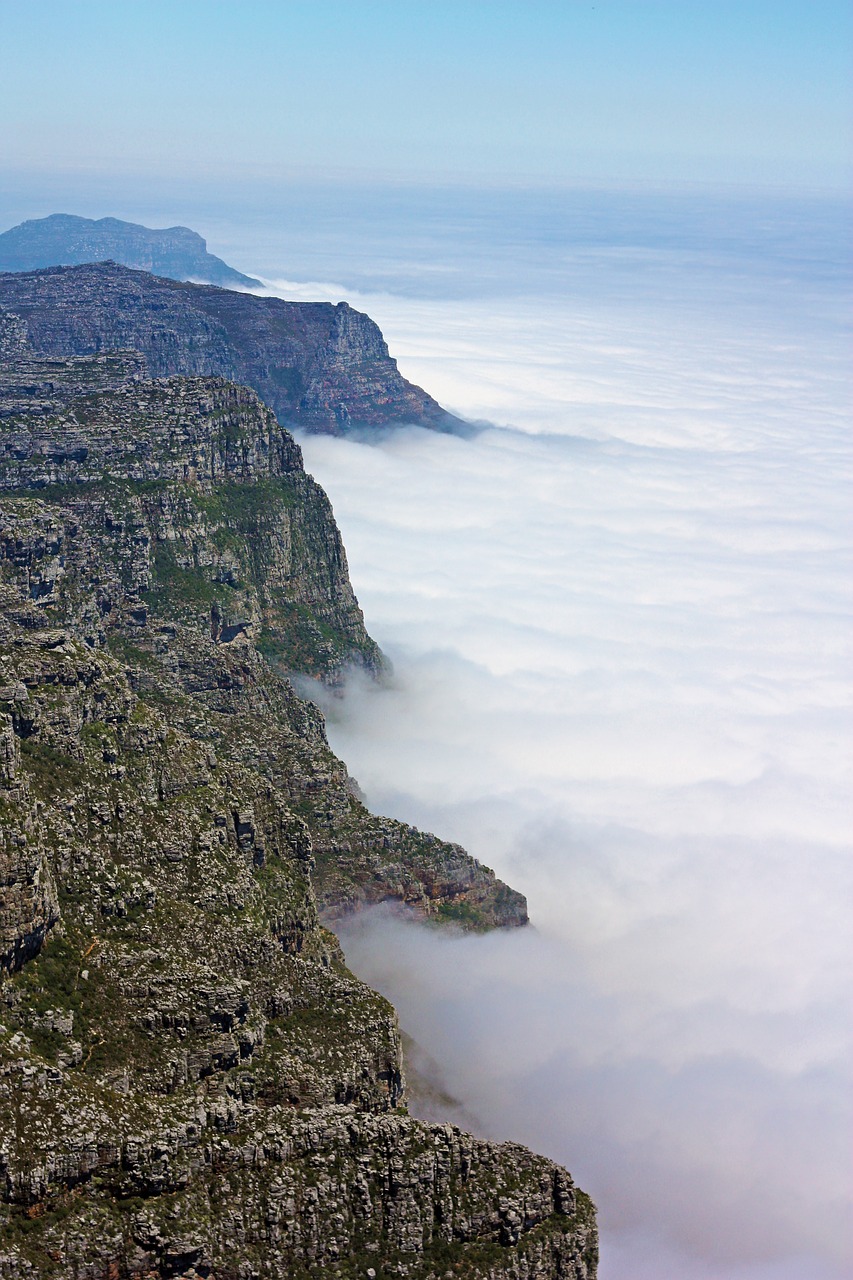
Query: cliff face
{"points": [[321, 367], [191, 1082], [66, 240], [175, 516]]}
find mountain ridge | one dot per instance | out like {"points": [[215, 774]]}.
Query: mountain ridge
{"points": [[65, 239], [320, 367]]}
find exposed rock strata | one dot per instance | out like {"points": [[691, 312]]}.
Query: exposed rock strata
{"points": [[191, 1082], [321, 367], [66, 240]]}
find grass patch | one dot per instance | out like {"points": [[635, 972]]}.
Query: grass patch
{"points": [[48, 769]]}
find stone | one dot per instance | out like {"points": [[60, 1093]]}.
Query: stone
{"points": [[191, 1081]]}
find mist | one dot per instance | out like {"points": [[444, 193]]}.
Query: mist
{"points": [[619, 619]]}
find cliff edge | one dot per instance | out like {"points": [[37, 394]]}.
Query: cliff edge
{"points": [[191, 1082]]}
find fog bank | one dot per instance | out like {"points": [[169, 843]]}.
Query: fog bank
{"points": [[620, 625]]}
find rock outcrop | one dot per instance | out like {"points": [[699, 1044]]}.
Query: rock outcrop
{"points": [[320, 367], [63, 239], [191, 1082]]}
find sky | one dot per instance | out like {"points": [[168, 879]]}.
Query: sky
{"points": [[547, 91]]}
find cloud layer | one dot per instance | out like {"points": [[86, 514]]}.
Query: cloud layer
{"points": [[620, 629]]}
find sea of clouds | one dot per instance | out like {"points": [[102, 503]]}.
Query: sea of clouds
{"points": [[619, 619]]}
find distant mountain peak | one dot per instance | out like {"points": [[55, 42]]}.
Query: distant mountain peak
{"points": [[64, 239]]}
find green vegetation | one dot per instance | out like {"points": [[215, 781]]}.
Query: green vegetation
{"points": [[49, 770], [177, 587], [463, 913], [246, 507]]}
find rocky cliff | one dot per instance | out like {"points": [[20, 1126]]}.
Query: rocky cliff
{"points": [[321, 367], [191, 1082], [66, 240]]}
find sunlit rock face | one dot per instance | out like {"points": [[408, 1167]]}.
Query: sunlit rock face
{"points": [[322, 367], [190, 1078]]}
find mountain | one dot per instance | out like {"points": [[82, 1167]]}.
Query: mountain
{"points": [[192, 1084], [321, 367], [66, 240]]}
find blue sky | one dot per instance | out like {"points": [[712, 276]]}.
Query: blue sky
{"points": [[756, 92]]}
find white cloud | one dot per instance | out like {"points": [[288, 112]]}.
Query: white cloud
{"points": [[621, 639]]}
